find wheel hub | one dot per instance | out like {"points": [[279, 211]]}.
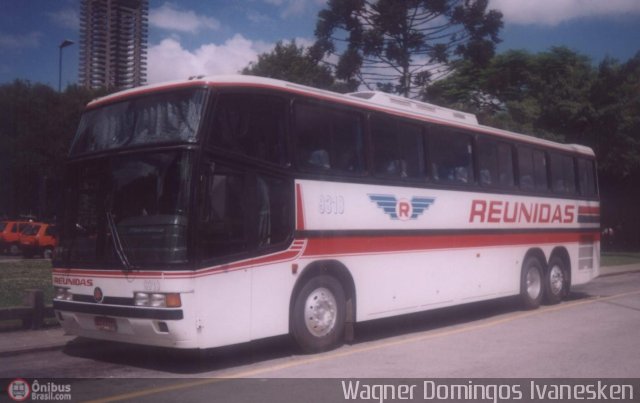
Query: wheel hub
{"points": [[534, 284], [320, 312], [556, 279]]}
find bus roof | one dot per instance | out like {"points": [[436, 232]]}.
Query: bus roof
{"points": [[371, 100]]}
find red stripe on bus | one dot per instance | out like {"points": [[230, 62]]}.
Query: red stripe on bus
{"points": [[397, 244], [299, 210], [588, 210]]}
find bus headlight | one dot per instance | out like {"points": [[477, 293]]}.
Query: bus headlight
{"points": [[141, 299], [157, 300], [63, 294]]}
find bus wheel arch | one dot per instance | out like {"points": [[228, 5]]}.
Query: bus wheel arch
{"points": [[319, 277], [532, 278], [557, 278]]}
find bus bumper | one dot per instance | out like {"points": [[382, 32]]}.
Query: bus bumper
{"points": [[155, 327]]}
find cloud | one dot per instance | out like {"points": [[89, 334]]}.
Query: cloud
{"points": [[67, 18], [170, 18], [553, 12], [292, 8], [258, 18], [30, 40], [168, 60]]}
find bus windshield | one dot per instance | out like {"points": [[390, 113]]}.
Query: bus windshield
{"points": [[161, 118], [134, 205]]}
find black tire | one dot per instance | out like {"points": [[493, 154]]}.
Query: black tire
{"points": [[556, 281], [318, 316], [14, 249], [531, 279], [47, 253]]}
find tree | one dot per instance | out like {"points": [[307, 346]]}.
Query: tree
{"points": [[560, 95], [36, 127], [291, 62], [402, 46], [545, 94]]}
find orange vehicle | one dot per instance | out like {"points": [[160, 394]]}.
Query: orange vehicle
{"points": [[10, 236], [38, 239]]}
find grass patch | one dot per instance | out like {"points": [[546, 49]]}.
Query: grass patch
{"points": [[619, 258], [17, 276]]}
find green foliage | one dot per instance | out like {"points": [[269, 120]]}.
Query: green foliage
{"points": [[18, 276], [402, 46], [545, 94], [557, 95], [561, 96], [36, 126], [293, 63]]}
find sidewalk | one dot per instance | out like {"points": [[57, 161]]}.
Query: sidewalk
{"points": [[23, 341]]}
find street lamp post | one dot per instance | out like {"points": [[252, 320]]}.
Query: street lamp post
{"points": [[64, 44]]}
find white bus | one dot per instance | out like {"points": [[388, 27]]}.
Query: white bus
{"points": [[221, 210]]}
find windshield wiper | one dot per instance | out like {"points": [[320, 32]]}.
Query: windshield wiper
{"points": [[117, 242]]}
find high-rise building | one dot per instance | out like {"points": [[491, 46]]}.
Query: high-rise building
{"points": [[113, 43]]}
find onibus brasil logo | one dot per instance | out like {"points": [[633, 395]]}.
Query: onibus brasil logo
{"points": [[402, 209], [20, 390]]}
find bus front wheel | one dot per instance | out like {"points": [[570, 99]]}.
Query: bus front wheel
{"points": [[531, 290], [318, 316]]}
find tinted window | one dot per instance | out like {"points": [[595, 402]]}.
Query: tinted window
{"points": [[451, 159], [587, 177], [223, 228], [532, 167], [328, 139], [51, 231], [30, 230], [495, 163], [563, 179], [273, 197], [242, 211], [161, 118], [252, 125], [143, 198], [398, 149]]}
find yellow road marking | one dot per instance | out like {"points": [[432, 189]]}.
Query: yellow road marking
{"points": [[351, 351]]}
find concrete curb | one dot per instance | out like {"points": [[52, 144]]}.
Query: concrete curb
{"points": [[28, 350], [28, 341], [621, 269]]}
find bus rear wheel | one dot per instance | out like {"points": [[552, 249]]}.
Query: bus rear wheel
{"points": [[318, 316], [555, 281], [531, 289]]}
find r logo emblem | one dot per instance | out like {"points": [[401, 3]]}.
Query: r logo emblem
{"points": [[404, 210]]}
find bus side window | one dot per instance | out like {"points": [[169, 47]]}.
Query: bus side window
{"points": [[222, 229], [242, 211], [328, 139], [562, 174], [532, 168], [451, 158], [273, 225], [587, 177], [495, 163], [397, 149], [251, 125]]}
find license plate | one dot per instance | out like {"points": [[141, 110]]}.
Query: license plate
{"points": [[106, 324]]}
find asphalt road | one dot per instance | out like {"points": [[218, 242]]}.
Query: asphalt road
{"points": [[592, 335]]}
